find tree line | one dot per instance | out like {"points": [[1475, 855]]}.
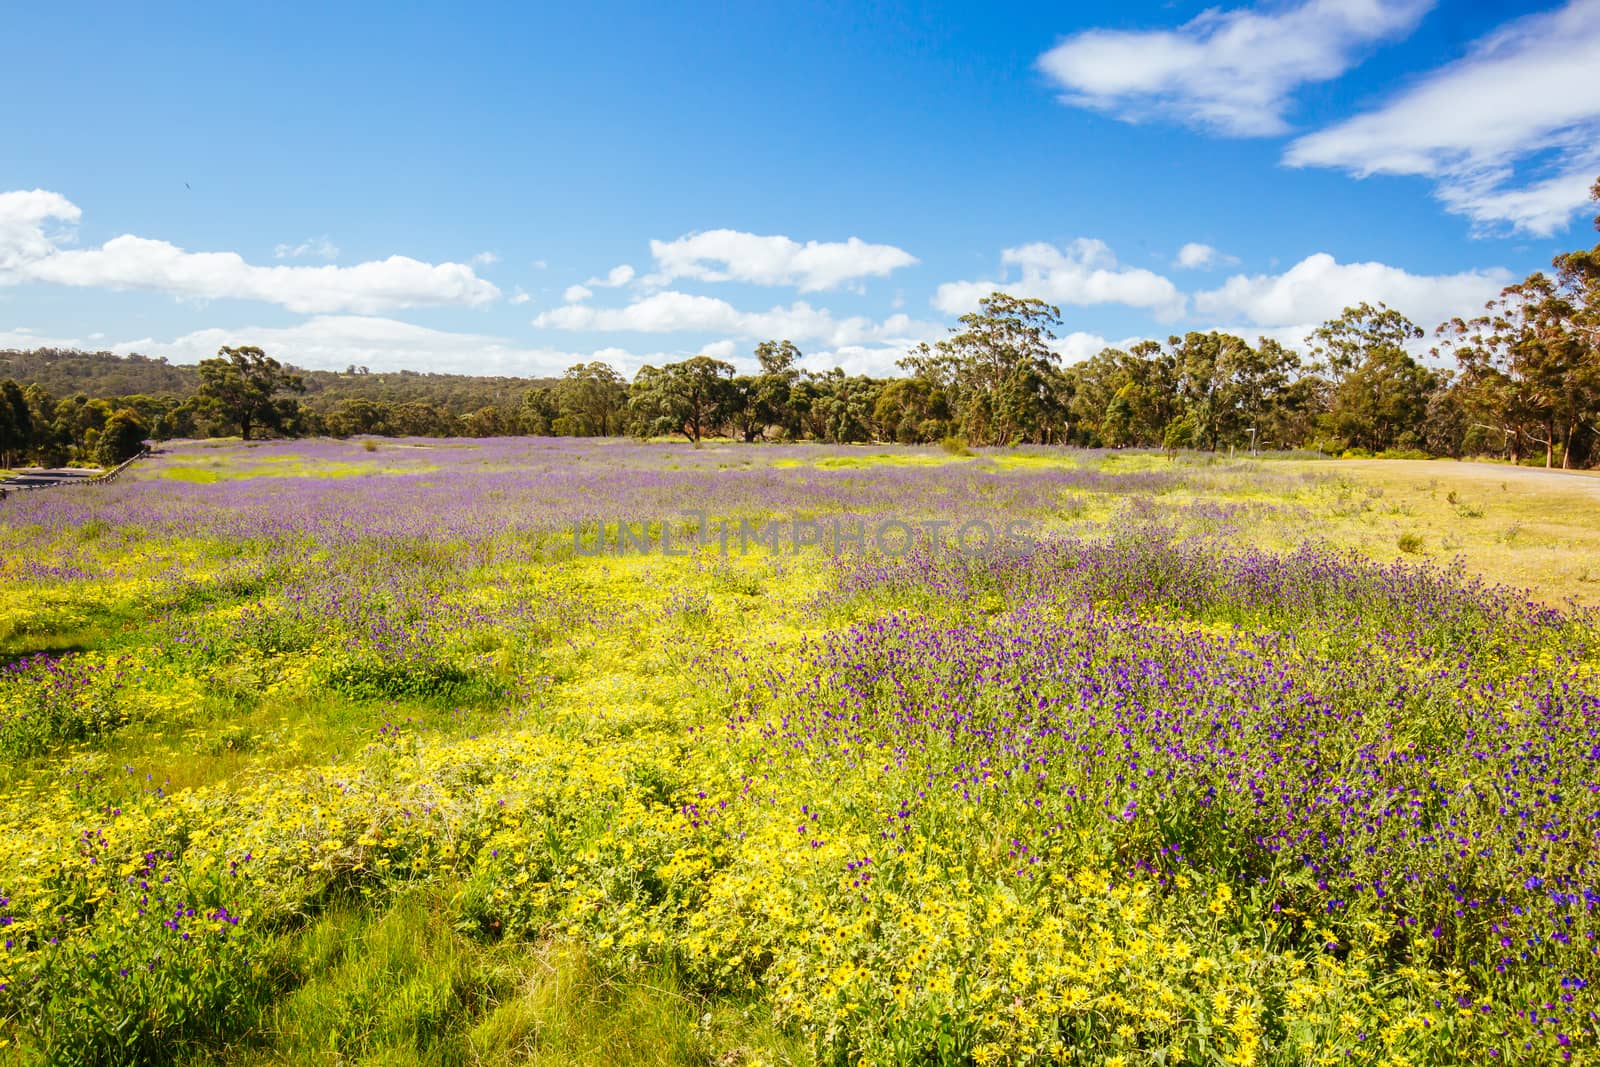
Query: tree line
{"points": [[1520, 381]]}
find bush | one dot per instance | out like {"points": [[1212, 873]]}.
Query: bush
{"points": [[161, 969], [47, 702], [376, 678], [956, 446], [121, 440]]}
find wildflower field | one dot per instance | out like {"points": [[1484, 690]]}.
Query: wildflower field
{"points": [[321, 752]]}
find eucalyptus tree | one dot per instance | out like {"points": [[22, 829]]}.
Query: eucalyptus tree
{"points": [[1378, 393], [16, 424], [694, 397], [244, 384], [767, 398], [592, 397], [1528, 365], [998, 370]]}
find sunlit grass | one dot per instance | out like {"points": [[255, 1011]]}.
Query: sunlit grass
{"points": [[504, 802]]}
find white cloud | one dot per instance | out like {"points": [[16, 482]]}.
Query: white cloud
{"points": [[1296, 336], [576, 294], [333, 342], [24, 216], [720, 349], [1319, 287], [877, 361], [485, 259], [1196, 256], [1084, 273], [24, 337], [30, 253], [320, 247], [1525, 97], [614, 278], [520, 296], [672, 311], [730, 255], [1230, 71], [1078, 346]]}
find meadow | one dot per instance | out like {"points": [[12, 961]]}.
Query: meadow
{"points": [[352, 752]]}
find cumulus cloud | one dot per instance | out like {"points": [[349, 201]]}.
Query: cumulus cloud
{"points": [[673, 311], [1085, 272], [877, 361], [1319, 287], [1196, 256], [31, 252], [576, 294], [1229, 71], [319, 247], [26, 221], [333, 342], [614, 278], [731, 255], [24, 337], [1510, 133], [520, 296], [1078, 345]]}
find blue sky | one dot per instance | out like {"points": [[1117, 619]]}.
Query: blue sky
{"points": [[512, 190]]}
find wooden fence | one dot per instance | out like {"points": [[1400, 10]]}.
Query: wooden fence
{"points": [[103, 478]]}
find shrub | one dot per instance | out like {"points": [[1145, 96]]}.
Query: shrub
{"points": [[162, 969], [956, 446], [47, 702]]}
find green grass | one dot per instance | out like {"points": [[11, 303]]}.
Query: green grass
{"points": [[409, 974], [400, 983], [208, 474]]}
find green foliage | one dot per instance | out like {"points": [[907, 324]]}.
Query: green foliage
{"points": [[1380, 394], [122, 439], [380, 679], [169, 968], [998, 370], [16, 423], [243, 384], [507, 810], [46, 703], [694, 397], [592, 396]]}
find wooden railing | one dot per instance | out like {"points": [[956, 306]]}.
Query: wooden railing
{"points": [[111, 475], [103, 478]]}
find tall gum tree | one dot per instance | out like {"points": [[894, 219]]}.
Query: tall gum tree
{"points": [[243, 384]]}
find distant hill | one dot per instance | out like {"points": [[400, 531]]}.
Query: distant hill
{"points": [[65, 372]]}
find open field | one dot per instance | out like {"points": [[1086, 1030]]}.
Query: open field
{"points": [[319, 753]]}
